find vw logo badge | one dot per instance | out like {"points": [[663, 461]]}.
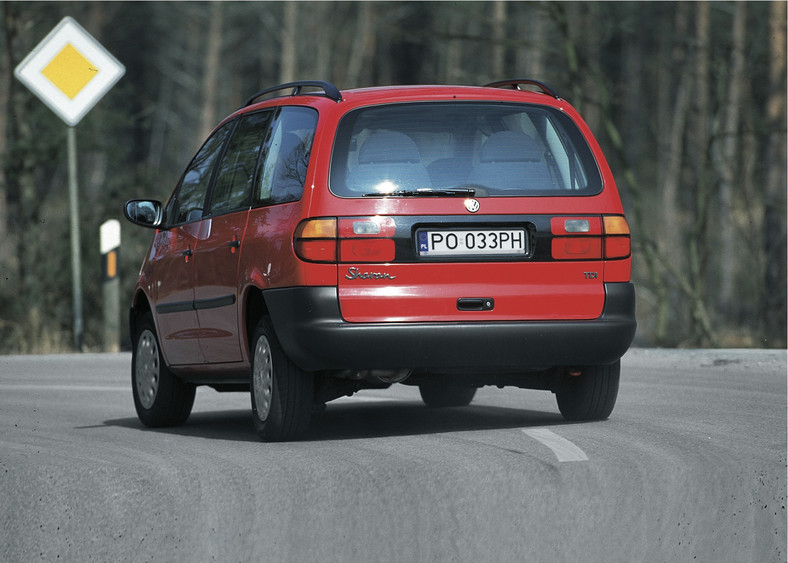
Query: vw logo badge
{"points": [[472, 205]]}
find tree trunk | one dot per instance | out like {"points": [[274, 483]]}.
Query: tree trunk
{"points": [[211, 79], [289, 54], [673, 101], [774, 279], [727, 161], [531, 56], [6, 110], [499, 39], [362, 49], [452, 47]]}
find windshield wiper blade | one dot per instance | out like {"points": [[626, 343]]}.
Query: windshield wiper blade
{"points": [[426, 192]]}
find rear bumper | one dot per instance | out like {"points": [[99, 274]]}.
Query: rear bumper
{"points": [[310, 328]]}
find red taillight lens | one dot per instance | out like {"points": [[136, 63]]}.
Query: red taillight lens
{"points": [[315, 240], [617, 247]]}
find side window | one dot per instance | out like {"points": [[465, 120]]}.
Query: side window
{"points": [[232, 188], [189, 200], [287, 149]]}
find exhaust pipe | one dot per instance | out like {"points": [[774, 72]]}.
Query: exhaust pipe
{"points": [[386, 376]]}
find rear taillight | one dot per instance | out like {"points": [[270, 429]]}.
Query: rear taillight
{"points": [[315, 240], [617, 239], [590, 238], [356, 239]]}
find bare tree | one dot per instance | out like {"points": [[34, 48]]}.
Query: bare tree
{"points": [[289, 44], [774, 305], [498, 37], [726, 151], [210, 79], [362, 50]]}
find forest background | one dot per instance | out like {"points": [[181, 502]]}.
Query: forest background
{"points": [[687, 99]]}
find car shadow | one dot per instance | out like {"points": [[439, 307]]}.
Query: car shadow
{"points": [[361, 421], [380, 420]]}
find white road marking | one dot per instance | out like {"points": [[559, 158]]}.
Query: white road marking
{"points": [[563, 449]]}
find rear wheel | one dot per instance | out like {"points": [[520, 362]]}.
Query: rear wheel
{"points": [[160, 398], [590, 395], [437, 395], [281, 392]]}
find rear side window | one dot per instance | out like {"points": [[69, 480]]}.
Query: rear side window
{"points": [[287, 148], [189, 200], [497, 149], [233, 184]]}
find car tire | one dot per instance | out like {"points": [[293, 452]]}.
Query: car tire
{"points": [[160, 398], [281, 393], [592, 394], [437, 395]]}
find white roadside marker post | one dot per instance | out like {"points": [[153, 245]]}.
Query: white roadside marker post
{"points": [[110, 249]]}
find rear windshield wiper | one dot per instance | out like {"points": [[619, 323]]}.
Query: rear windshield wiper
{"points": [[425, 192]]}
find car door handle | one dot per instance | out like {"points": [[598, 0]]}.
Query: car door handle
{"points": [[475, 304], [234, 243], [188, 252]]}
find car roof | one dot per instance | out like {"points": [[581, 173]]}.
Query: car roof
{"points": [[388, 94]]}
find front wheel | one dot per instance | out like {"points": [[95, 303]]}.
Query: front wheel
{"points": [[590, 395], [281, 392], [160, 398]]}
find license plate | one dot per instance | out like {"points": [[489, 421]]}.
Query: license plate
{"points": [[483, 242]]}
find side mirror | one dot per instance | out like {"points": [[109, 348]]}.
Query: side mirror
{"points": [[144, 212]]}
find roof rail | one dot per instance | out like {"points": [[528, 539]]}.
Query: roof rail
{"points": [[515, 83], [329, 90]]}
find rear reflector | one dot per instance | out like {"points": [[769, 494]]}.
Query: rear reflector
{"points": [[366, 250], [580, 248]]}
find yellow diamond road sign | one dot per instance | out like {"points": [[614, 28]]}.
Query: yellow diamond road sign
{"points": [[70, 71]]}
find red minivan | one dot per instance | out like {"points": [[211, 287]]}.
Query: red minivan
{"points": [[324, 241]]}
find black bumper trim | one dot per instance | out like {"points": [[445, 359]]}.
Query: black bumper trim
{"points": [[310, 328]]}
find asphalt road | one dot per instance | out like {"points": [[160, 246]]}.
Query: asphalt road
{"points": [[690, 467]]}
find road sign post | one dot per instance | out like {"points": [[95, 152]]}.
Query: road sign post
{"points": [[70, 72], [76, 253]]}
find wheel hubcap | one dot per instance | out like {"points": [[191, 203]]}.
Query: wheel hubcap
{"points": [[147, 369], [262, 378]]}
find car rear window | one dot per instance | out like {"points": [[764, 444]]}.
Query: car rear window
{"points": [[497, 149]]}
